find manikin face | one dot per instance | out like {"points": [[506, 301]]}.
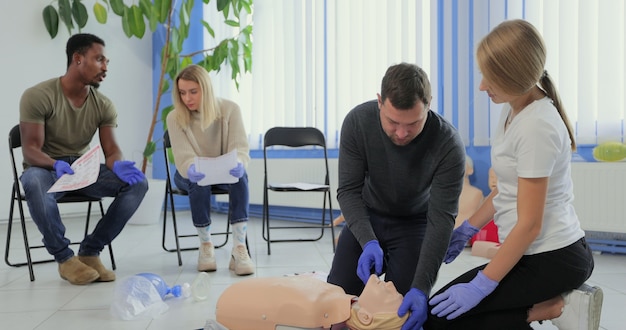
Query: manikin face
{"points": [[379, 296], [402, 125], [377, 307], [93, 65], [190, 94]]}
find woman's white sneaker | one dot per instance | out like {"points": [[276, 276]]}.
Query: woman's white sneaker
{"points": [[206, 258], [582, 309], [240, 261]]}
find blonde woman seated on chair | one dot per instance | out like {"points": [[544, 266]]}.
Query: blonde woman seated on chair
{"points": [[203, 125], [306, 303]]}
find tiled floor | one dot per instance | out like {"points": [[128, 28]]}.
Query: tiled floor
{"points": [[52, 303]]}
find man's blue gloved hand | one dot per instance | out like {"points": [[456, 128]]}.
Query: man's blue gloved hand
{"points": [[462, 297], [237, 171], [459, 239], [415, 301], [62, 167], [372, 256], [127, 172], [193, 175]]}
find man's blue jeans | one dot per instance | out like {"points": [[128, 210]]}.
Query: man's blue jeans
{"points": [[45, 212], [200, 200]]}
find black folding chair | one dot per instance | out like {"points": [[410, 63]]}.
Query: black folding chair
{"points": [[17, 196], [170, 192], [296, 137]]}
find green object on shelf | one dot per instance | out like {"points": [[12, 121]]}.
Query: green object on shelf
{"points": [[609, 151]]}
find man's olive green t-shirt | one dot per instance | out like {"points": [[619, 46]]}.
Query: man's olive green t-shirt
{"points": [[68, 129]]}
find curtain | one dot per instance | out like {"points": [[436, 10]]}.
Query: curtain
{"points": [[314, 60]]}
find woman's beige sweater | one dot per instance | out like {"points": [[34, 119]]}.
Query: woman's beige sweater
{"points": [[222, 136]]}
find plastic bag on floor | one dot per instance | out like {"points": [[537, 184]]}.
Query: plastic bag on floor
{"points": [[136, 297]]}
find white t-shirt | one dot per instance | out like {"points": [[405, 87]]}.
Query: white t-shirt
{"points": [[535, 145]]}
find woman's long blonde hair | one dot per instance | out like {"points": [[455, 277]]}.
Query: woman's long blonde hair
{"points": [[513, 57], [208, 109]]}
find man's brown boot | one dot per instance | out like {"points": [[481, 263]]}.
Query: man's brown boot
{"points": [[94, 262], [76, 272]]}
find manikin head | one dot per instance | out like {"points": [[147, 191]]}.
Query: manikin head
{"points": [[377, 307]]}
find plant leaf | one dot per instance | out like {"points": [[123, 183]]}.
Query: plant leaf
{"points": [[226, 11], [136, 22], [246, 6], [187, 60], [100, 12], [51, 20], [146, 7], [79, 13], [118, 7], [221, 4], [126, 23], [208, 28], [184, 19], [164, 112], [164, 9], [165, 87], [231, 22], [154, 19], [65, 13], [149, 150]]}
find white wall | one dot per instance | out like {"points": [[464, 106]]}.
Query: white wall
{"points": [[29, 56]]}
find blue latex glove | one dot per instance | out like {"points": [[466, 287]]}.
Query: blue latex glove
{"points": [[193, 175], [459, 239], [237, 171], [127, 172], [415, 301], [462, 297], [372, 256], [62, 167]]}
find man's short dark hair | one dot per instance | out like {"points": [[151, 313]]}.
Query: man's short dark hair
{"points": [[80, 43], [404, 84]]}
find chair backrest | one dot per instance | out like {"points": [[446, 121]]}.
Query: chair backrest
{"points": [[15, 138], [15, 141], [166, 145], [166, 140], [294, 137]]}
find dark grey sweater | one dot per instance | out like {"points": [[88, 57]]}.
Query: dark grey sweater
{"points": [[420, 180]]}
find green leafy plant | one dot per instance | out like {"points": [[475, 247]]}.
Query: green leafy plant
{"points": [[234, 51]]}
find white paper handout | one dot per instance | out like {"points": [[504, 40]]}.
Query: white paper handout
{"points": [[299, 185], [216, 169], [86, 170]]}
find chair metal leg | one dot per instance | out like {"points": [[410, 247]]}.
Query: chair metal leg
{"points": [[27, 247], [113, 264], [29, 262], [170, 196], [322, 225], [266, 221]]}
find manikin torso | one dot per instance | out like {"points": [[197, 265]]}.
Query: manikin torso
{"points": [[303, 302], [470, 198]]}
